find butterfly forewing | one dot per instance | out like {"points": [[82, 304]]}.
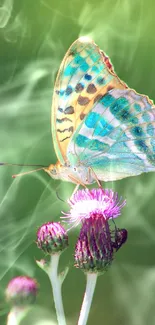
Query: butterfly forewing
{"points": [[85, 75]]}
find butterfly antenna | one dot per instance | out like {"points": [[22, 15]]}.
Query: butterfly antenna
{"points": [[22, 165], [26, 173]]}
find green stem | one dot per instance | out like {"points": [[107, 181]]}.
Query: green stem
{"points": [[56, 286], [90, 287], [16, 314]]}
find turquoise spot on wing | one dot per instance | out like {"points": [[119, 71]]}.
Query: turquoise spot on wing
{"points": [[123, 115], [141, 145], [102, 128], [96, 121], [78, 59], [150, 129], [137, 107], [146, 117], [91, 119], [121, 110], [95, 68], [61, 93], [84, 66], [81, 141], [69, 70], [107, 100], [96, 145], [133, 120], [95, 56], [137, 131], [119, 105], [92, 144]]}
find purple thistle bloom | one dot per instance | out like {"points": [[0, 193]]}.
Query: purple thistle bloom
{"points": [[94, 250], [52, 238], [85, 203], [22, 291], [97, 242]]}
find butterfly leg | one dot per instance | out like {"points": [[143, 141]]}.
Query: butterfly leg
{"points": [[75, 189], [77, 185], [95, 176]]}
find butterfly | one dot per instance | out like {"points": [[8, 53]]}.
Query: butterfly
{"points": [[102, 130]]}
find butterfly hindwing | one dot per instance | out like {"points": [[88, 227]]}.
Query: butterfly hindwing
{"points": [[85, 75], [117, 137]]}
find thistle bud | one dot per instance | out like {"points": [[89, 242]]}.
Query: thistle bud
{"points": [[21, 291], [52, 238]]}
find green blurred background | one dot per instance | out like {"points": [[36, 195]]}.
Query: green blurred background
{"points": [[34, 36]]}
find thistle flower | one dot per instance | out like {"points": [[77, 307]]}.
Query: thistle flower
{"points": [[98, 240], [22, 291], [52, 238]]}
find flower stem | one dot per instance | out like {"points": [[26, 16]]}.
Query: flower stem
{"points": [[90, 287], [15, 315], [56, 283]]}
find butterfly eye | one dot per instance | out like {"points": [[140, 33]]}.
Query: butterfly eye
{"points": [[74, 169]]}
